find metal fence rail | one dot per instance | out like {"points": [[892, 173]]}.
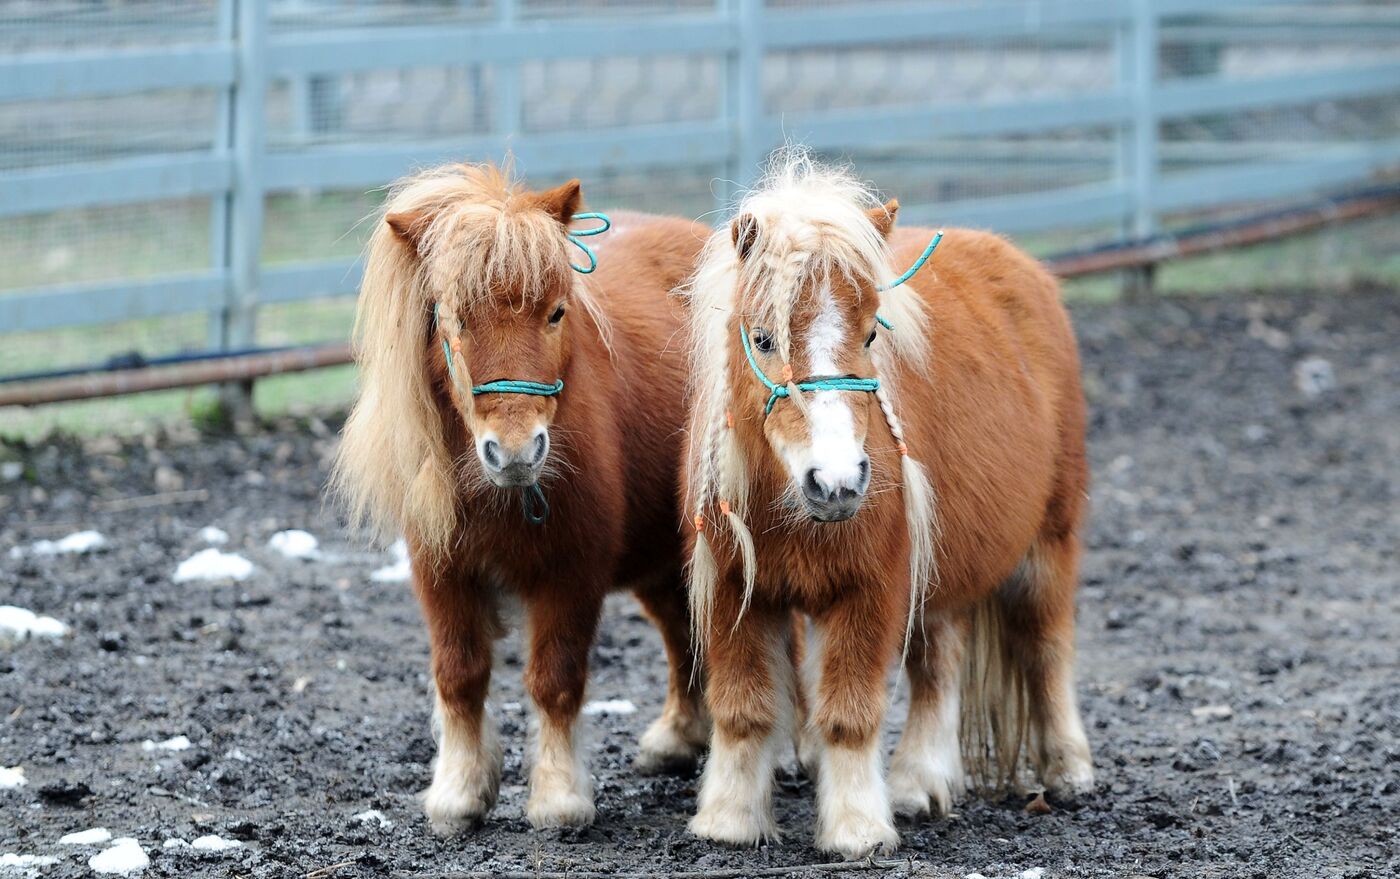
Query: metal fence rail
{"points": [[241, 54]]}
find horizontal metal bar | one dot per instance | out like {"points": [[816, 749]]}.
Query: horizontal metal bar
{"points": [[1165, 8], [893, 125], [1059, 208], [865, 23], [77, 305], [1219, 94], [316, 280], [202, 372], [1278, 179], [574, 153], [119, 181], [427, 46], [57, 75]]}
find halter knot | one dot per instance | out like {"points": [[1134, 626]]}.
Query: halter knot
{"points": [[824, 383]]}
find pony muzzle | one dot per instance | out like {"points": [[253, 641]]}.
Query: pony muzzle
{"points": [[835, 496], [513, 465]]}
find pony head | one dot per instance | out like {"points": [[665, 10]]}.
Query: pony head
{"points": [[784, 333], [807, 329], [467, 291]]}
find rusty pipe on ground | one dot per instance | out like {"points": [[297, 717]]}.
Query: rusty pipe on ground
{"points": [[1240, 233]]}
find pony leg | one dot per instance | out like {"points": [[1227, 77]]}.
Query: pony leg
{"points": [[562, 628], [927, 766], [1038, 605], [461, 616], [750, 694], [674, 741], [807, 741], [856, 641]]}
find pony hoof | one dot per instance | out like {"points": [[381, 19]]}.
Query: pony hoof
{"points": [[1070, 780], [452, 811], [934, 794], [859, 837], [561, 810], [665, 751], [735, 827]]}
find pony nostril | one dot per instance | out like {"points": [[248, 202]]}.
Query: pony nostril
{"points": [[491, 454], [540, 447], [813, 488], [863, 476]]}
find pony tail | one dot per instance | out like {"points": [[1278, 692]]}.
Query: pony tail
{"points": [[920, 515]]}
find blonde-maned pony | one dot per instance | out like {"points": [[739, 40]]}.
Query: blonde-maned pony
{"points": [[469, 296], [977, 423]]}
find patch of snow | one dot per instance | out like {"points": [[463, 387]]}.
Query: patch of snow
{"points": [[375, 816], [213, 843], [1314, 377], [87, 837], [74, 544], [295, 544], [175, 842], [1032, 873], [175, 743], [210, 564], [215, 536], [12, 777], [610, 706], [125, 856], [974, 876], [399, 571], [10, 860], [17, 624], [11, 470]]}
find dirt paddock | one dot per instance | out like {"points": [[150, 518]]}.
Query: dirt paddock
{"points": [[1238, 664]]}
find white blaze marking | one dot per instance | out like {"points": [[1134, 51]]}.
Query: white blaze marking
{"points": [[834, 453]]}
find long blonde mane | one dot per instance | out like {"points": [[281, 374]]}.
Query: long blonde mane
{"points": [[480, 234], [809, 223]]}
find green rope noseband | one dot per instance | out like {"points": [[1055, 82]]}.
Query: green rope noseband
{"points": [[514, 386], [821, 383]]}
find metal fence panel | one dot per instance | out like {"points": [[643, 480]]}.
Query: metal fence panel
{"points": [[162, 160]]}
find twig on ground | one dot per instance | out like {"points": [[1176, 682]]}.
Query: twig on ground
{"points": [[323, 872], [164, 499], [736, 873]]}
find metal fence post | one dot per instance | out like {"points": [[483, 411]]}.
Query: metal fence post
{"points": [[1137, 164], [247, 200], [509, 100], [742, 98]]}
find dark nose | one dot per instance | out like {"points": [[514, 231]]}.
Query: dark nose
{"points": [[833, 501], [519, 465]]}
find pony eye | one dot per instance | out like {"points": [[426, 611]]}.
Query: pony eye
{"points": [[763, 341], [870, 340], [557, 316]]}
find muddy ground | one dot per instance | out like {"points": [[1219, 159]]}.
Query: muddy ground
{"points": [[1238, 644]]}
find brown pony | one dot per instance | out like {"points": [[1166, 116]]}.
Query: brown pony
{"points": [[469, 280], [800, 507]]}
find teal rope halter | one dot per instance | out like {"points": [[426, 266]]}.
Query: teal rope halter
{"points": [[513, 386], [913, 270], [822, 383], [576, 235]]}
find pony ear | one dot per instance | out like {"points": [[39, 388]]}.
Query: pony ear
{"points": [[883, 217], [744, 230], [409, 225], [561, 202]]}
